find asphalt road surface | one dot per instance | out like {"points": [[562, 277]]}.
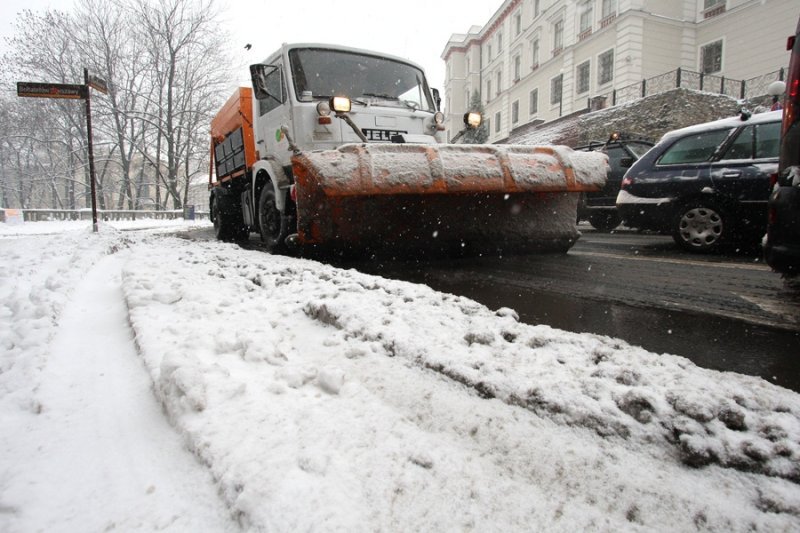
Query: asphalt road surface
{"points": [[725, 312]]}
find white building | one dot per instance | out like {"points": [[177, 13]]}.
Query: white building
{"points": [[537, 60]]}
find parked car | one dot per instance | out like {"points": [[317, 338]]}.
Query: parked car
{"points": [[782, 245], [600, 208], [707, 185]]}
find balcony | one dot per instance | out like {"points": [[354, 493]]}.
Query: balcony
{"points": [[609, 20], [584, 34], [714, 11]]}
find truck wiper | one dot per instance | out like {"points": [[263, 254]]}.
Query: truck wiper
{"points": [[407, 103], [385, 96]]}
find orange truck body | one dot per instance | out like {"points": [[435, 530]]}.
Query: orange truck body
{"points": [[235, 115]]}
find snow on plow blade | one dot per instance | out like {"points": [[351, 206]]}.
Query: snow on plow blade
{"points": [[475, 198]]}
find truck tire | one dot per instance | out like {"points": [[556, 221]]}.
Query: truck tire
{"points": [[227, 215], [271, 222]]}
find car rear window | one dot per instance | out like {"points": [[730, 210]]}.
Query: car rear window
{"points": [[695, 148]]}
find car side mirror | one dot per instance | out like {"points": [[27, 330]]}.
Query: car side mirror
{"points": [[437, 99], [258, 75], [626, 162]]}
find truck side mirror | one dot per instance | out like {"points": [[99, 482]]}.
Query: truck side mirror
{"points": [[258, 75], [437, 99]]}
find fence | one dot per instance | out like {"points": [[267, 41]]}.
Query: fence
{"points": [[38, 215], [687, 79]]}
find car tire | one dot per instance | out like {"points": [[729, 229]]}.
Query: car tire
{"points": [[700, 227], [271, 222], [605, 221]]}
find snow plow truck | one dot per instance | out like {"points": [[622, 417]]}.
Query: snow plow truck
{"points": [[341, 148]]}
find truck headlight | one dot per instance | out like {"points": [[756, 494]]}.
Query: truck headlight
{"points": [[340, 104], [473, 119]]}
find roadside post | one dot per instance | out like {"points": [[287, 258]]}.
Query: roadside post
{"points": [[72, 92]]}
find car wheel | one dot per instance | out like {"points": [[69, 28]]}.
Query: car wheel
{"points": [[271, 222], [605, 221], [700, 227]]}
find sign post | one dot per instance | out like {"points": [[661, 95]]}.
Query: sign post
{"points": [[90, 147], [72, 92]]}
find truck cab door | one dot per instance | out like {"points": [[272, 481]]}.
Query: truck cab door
{"points": [[271, 111]]}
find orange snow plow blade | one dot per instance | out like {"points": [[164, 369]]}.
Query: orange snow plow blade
{"points": [[475, 198]]}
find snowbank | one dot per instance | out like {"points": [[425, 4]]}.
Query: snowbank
{"points": [[325, 399]]}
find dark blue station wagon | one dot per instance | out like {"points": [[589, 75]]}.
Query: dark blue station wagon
{"points": [[706, 185]]}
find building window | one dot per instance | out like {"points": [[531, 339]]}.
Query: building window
{"points": [[712, 8], [497, 122], [535, 8], [488, 126], [499, 79], [517, 24], [499, 41], [558, 37], [585, 23], [711, 58], [517, 67], [609, 8], [534, 102], [468, 66], [583, 75], [515, 112], [556, 88], [608, 12], [488, 91], [489, 52], [535, 63], [605, 67]]}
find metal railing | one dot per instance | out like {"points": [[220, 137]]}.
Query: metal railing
{"points": [[39, 215], [687, 79]]}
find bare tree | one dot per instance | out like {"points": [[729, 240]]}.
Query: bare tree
{"points": [[189, 70], [165, 64]]}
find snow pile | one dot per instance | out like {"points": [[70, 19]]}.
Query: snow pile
{"points": [[322, 398]]}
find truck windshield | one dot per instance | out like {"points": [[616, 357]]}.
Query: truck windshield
{"points": [[327, 73]]}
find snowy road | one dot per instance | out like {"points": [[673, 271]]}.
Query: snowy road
{"points": [[275, 394]]}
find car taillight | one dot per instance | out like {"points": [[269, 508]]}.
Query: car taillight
{"points": [[773, 179], [293, 193], [626, 182]]}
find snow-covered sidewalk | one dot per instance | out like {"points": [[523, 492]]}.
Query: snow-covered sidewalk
{"points": [[94, 451], [301, 396]]}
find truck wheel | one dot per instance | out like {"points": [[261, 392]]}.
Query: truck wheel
{"points": [[605, 221], [227, 216], [700, 227], [271, 222]]}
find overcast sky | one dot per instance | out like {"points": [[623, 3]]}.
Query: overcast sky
{"points": [[413, 29]]}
